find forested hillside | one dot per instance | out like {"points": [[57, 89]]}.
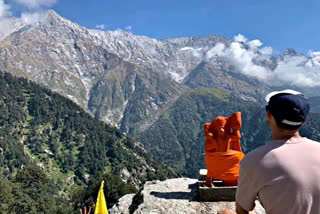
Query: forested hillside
{"points": [[44, 133], [315, 104], [177, 137]]}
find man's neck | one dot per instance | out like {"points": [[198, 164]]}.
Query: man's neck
{"points": [[285, 135]]}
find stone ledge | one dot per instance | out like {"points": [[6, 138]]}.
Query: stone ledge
{"points": [[226, 193]]}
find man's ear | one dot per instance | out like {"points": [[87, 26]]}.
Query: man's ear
{"points": [[269, 115]]}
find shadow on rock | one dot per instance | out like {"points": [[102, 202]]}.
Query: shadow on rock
{"points": [[190, 196]]}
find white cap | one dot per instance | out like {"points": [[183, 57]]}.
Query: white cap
{"points": [[287, 91]]}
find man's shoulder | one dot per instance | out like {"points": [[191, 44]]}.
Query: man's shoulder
{"points": [[253, 156], [316, 143], [256, 155]]}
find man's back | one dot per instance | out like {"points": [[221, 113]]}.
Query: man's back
{"points": [[285, 175]]}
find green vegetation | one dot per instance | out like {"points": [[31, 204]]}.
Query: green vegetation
{"points": [[72, 149], [31, 191], [315, 104]]}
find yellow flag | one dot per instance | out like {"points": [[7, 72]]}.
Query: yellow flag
{"points": [[101, 206]]}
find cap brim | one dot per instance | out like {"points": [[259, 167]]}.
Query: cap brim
{"points": [[287, 91]]}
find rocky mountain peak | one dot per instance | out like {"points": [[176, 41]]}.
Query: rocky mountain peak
{"points": [[288, 54], [52, 14], [199, 41], [291, 52], [52, 20]]}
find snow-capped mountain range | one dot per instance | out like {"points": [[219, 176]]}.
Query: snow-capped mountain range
{"points": [[129, 80]]}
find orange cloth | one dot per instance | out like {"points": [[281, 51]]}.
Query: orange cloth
{"points": [[223, 150], [224, 166]]}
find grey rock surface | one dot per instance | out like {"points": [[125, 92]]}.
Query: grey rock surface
{"points": [[176, 196]]}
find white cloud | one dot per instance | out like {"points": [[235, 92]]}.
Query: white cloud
{"points": [[101, 27], [35, 4], [241, 58], [254, 44], [129, 27], [30, 18], [293, 70], [4, 21], [4, 10], [314, 59], [314, 54], [266, 50], [217, 50], [240, 38]]}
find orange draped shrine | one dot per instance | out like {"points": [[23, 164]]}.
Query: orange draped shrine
{"points": [[223, 150]]}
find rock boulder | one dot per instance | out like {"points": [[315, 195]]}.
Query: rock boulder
{"points": [[179, 195]]}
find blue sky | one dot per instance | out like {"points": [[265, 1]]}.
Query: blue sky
{"points": [[279, 24]]}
